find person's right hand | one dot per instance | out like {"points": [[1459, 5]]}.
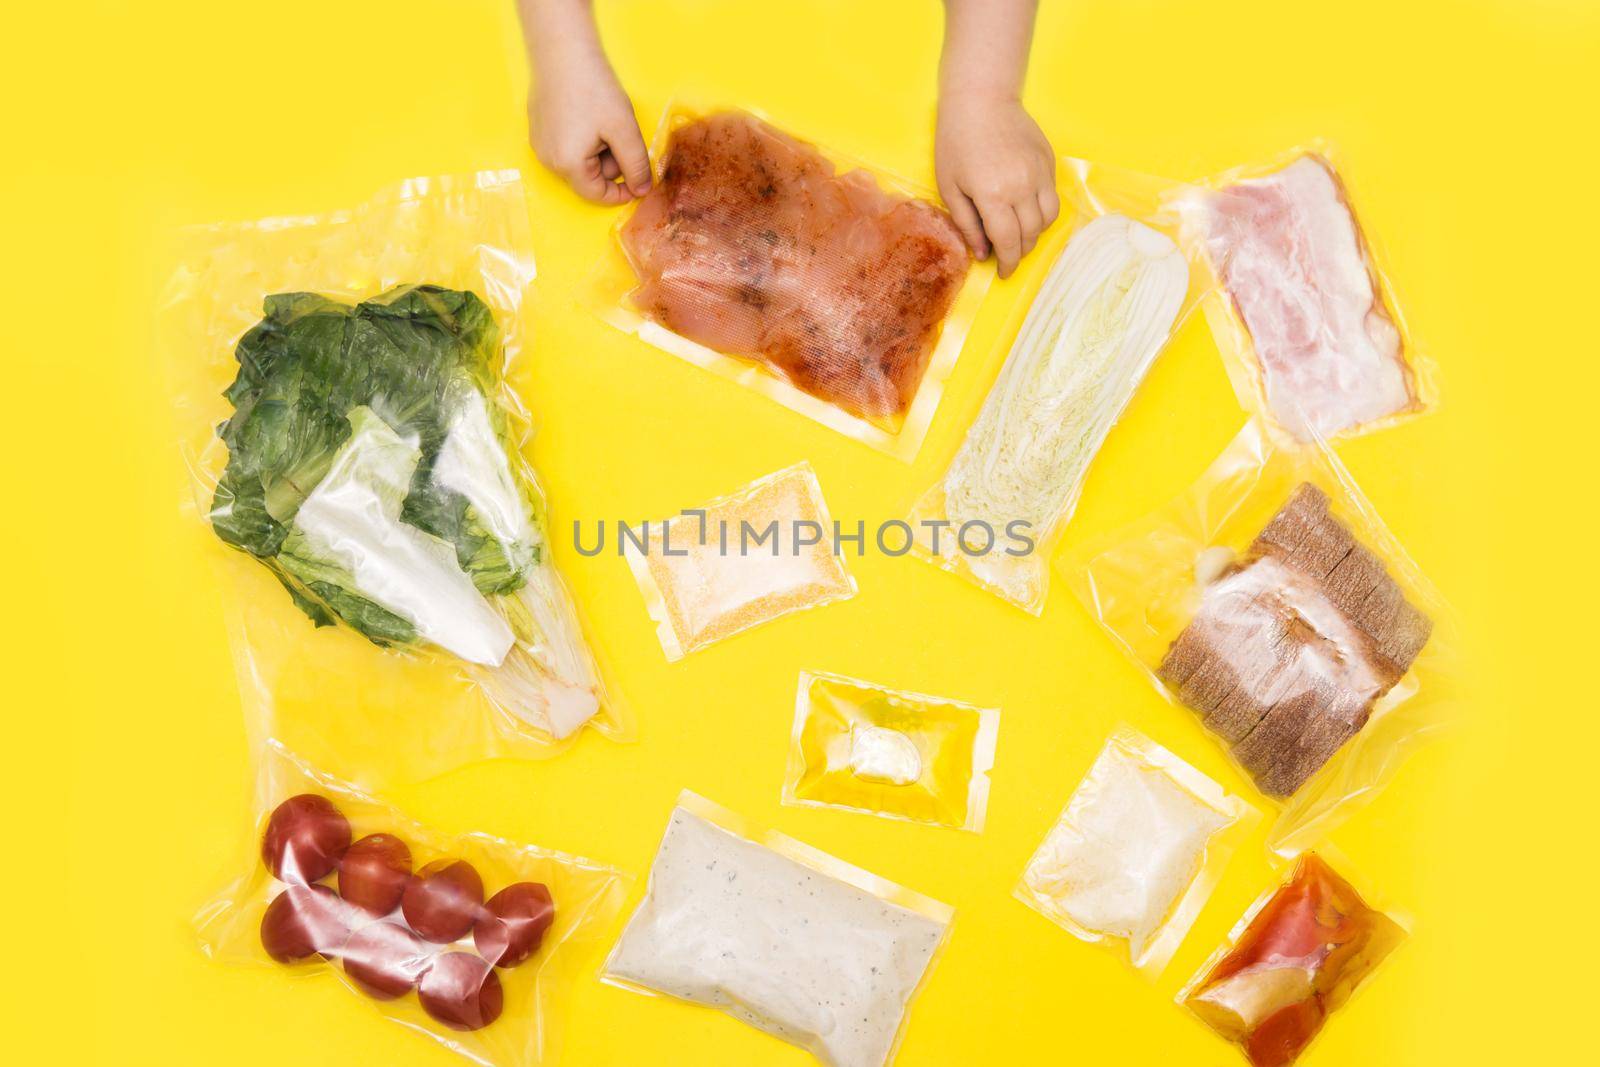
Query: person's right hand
{"points": [[582, 127]]}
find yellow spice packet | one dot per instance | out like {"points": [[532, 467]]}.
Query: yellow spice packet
{"points": [[740, 560], [868, 748]]}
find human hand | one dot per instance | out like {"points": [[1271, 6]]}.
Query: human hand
{"points": [[996, 173], [582, 127]]}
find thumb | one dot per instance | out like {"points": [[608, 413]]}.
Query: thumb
{"points": [[965, 215]]}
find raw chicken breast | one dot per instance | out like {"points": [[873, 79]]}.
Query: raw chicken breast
{"points": [[751, 245], [1290, 254]]}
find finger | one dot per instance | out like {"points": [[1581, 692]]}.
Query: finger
{"points": [[589, 182], [1031, 220], [627, 146], [1049, 206], [1005, 233], [609, 192], [965, 215], [609, 170]]}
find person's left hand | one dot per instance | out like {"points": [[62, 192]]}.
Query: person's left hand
{"points": [[996, 173]]}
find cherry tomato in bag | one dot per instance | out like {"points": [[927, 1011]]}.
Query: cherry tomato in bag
{"points": [[374, 873], [385, 960], [514, 923], [304, 921], [443, 901], [304, 839], [462, 991]]}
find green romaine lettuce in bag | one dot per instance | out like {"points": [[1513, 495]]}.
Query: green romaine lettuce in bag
{"points": [[368, 469]]}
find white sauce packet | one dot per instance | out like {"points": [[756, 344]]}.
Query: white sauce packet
{"points": [[785, 938], [1138, 849]]}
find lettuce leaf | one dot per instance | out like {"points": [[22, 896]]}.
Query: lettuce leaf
{"points": [[412, 370]]}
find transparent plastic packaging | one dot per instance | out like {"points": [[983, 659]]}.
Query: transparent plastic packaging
{"points": [[344, 413], [785, 938], [1272, 602], [1118, 288], [735, 562], [837, 289], [863, 747], [468, 939], [1304, 314], [1136, 852], [1297, 955]]}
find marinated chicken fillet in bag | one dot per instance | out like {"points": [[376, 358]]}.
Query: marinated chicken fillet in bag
{"points": [[751, 245], [826, 284], [1322, 342], [1294, 643]]}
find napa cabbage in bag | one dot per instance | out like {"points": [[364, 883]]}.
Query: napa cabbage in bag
{"points": [[1117, 290]]}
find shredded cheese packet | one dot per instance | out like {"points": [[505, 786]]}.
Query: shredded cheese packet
{"points": [[1136, 852], [738, 561], [862, 747]]}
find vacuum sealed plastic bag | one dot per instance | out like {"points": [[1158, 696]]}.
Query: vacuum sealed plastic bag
{"points": [[833, 288], [1273, 603], [1291, 962], [1304, 315], [1136, 853], [467, 939], [780, 936], [863, 747], [344, 411], [740, 560], [1115, 294]]}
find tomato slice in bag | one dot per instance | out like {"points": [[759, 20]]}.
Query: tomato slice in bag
{"points": [[1297, 960]]}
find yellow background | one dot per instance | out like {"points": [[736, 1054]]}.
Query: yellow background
{"points": [[1468, 131]]}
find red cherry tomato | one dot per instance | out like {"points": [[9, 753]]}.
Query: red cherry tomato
{"points": [[304, 839], [514, 923], [304, 921], [462, 992], [385, 960], [374, 871], [443, 901]]}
